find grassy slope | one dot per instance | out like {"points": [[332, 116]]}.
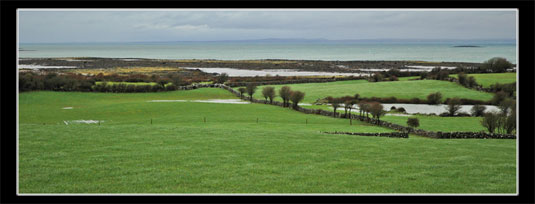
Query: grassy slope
{"points": [[398, 89], [231, 153], [491, 78]]}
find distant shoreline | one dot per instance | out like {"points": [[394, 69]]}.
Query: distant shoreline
{"points": [[276, 64]]}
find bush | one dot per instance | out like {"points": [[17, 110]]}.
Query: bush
{"points": [[490, 121], [498, 98], [222, 78], [462, 79], [478, 110], [296, 97], [434, 98], [496, 64], [413, 122], [454, 105], [471, 81]]}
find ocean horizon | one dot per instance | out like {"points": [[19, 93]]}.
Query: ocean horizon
{"points": [[342, 50]]}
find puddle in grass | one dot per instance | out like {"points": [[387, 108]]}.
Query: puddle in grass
{"points": [[81, 122], [67, 108]]}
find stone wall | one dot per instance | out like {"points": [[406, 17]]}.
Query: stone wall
{"points": [[389, 134]]}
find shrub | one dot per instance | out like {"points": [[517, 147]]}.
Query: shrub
{"points": [[415, 100], [510, 123], [222, 78], [413, 122], [377, 77], [507, 105], [490, 121], [496, 64], [296, 97], [434, 98], [498, 98], [471, 81], [478, 110], [454, 105], [462, 78]]}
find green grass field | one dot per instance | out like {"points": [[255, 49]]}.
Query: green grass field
{"points": [[429, 123], [231, 153], [491, 78], [399, 89]]}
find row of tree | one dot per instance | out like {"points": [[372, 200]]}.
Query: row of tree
{"points": [[268, 92]]}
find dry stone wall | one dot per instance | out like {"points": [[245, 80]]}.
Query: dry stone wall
{"points": [[389, 134]]}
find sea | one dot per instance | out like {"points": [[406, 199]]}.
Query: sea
{"points": [[450, 51]]}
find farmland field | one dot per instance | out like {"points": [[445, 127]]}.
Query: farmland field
{"points": [[427, 122], [488, 79], [231, 153], [399, 89]]}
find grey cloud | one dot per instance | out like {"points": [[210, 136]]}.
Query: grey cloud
{"points": [[79, 26]]}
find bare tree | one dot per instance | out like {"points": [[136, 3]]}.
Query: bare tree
{"points": [[251, 88], [376, 109], [490, 121], [364, 108], [335, 103], [268, 92], [284, 93], [296, 97], [454, 105]]}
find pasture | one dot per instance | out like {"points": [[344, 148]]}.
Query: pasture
{"points": [[399, 89], [232, 153], [491, 78]]}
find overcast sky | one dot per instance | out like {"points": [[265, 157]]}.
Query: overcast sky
{"points": [[180, 25]]}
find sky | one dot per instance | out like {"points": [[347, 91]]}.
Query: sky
{"points": [[57, 26]]}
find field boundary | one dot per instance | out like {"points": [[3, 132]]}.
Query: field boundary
{"points": [[431, 134], [388, 134]]}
